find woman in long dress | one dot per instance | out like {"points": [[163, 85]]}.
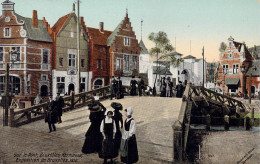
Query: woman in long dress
{"points": [[93, 139], [118, 119], [108, 130], [128, 147]]}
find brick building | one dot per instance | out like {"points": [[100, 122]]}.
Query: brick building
{"points": [[124, 51], [29, 39], [230, 77], [253, 74], [99, 57], [65, 55]]}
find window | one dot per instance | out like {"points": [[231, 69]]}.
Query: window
{"points": [[45, 56], [61, 62], [126, 41], [1, 57], [7, 32], [72, 60], [98, 83], [16, 50], [230, 55], [235, 68], [83, 79], [135, 62], [99, 63], [126, 63], [225, 68], [44, 77], [28, 87], [118, 64], [14, 85], [71, 34], [82, 84], [178, 73], [61, 85], [82, 62]]}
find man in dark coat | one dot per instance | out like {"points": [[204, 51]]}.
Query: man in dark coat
{"points": [[179, 89], [51, 115], [120, 93], [140, 86], [59, 106], [133, 83], [113, 88], [163, 87]]}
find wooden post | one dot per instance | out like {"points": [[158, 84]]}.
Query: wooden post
{"points": [[249, 88], [11, 118], [72, 100], [208, 121], [226, 122]]}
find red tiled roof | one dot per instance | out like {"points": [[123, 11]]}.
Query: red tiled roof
{"points": [[58, 25], [98, 37]]}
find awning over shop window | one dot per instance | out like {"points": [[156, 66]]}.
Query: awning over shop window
{"points": [[232, 81]]}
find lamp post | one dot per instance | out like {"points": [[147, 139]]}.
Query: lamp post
{"points": [[243, 70], [14, 58]]}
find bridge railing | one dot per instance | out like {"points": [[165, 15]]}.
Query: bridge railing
{"points": [[23, 116]]}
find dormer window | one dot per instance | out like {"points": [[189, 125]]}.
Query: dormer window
{"points": [[126, 41], [7, 32]]}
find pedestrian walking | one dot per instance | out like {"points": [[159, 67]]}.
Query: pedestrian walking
{"points": [[179, 89], [108, 130], [120, 93], [51, 115], [163, 87], [133, 84], [140, 86], [93, 136], [128, 147], [118, 119], [168, 87], [60, 105], [113, 88]]}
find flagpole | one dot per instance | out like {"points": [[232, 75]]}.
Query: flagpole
{"points": [[203, 65]]}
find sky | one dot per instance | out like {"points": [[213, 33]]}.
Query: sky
{"points": [[191, 23]]}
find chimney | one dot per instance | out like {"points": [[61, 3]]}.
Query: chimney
{"points": [[101, 26], [73, 8], [35, 19]]}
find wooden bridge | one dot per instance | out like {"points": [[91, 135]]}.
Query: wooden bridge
{"points": [[200, 105]]}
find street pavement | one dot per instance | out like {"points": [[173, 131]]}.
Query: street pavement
{"points": [[32, 143]]}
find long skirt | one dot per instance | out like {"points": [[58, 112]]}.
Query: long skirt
{"points": [[108, 150], [128, 150], [93, 140]]}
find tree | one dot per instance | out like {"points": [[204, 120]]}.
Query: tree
{"points": [[162, 48], [222, 47]]}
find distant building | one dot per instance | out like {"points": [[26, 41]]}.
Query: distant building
{"points": [[254, 72], [255, 52], [65, 56], [230, 77], [99, 56], [29, 41], [124, 51]]}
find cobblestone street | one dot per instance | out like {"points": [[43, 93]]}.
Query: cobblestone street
{"points": [[154, 117]]}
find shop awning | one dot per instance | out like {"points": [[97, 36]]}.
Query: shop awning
{"points": [[234, 81]]}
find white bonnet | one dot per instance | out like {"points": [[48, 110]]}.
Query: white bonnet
{"points": [[129, 111], [96, 98]]}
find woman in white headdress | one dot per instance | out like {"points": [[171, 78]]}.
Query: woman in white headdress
{"points": [[128, 147], [108, 130]]}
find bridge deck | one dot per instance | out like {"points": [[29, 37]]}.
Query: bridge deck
{"points": [[154, 117]]}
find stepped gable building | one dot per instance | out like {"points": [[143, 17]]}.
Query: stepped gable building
{"points": [[99, 57], [28, 41], [65, 55], [124, 51], [230, 77]]}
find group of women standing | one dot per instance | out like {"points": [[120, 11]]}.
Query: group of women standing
{"points": [[104, 134]]}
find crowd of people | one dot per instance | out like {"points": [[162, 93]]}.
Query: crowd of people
{"points": [[104, 135], [116, 88]]}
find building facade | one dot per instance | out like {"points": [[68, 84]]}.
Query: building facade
{"points": [[99, 56], [230, 77], [28, 40], [65, 56], [124, 51]]}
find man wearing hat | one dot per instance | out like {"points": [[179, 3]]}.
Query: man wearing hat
{"points": [[113, 88], [60, 105]]}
